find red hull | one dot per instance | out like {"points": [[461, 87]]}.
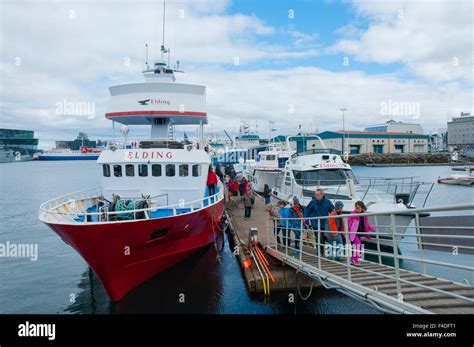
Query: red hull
{"points": [[124, 255]]}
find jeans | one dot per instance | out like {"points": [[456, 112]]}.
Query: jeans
{"points": [[356, 250], [248, 211], [212, 189], [297, 239], [277, 230], [333, 248], [267, 200]]}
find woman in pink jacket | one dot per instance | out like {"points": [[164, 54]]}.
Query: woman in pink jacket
{"points": [[358, 227]]}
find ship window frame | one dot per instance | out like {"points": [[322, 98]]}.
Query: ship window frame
{"points": [[106, 170], [153, 171], [143, 173], [185, 168], [168, 173], [127, 173], [196, 173], [118, 173]]}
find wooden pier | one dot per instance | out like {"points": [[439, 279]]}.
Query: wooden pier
{"points": [[285, 276]]}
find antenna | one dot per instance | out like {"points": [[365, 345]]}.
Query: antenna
{"points": [[163, 49], [146, 57]]}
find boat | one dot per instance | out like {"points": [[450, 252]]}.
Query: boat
{"points": [[17, 145], [10, 156], [152, 209], [267, 166], [469, 168], [84, 153], [324, 168], [458, 179]]}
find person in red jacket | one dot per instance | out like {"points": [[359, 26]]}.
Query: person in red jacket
{"points": [[211, 181]]}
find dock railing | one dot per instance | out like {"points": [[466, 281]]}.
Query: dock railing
{"points": [[308, 248]]}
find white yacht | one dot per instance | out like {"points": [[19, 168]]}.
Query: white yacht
{"points": [[324, 168], [267, 166]]}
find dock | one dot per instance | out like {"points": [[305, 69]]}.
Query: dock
{"points": [[284, 275], [389, 288]]}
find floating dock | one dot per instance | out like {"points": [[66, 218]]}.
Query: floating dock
{"points": [[284, 276]]}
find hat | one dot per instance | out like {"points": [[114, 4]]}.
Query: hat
{"points": [[296, 200], [338, 204]]}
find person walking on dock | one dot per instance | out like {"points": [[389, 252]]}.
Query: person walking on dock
{"points": [[335, 227], [267, 192], [319, 206], [358, 226], [274, 216], [248, 203], [243, 188], [233, 188], [284, 215], [211, 181]]}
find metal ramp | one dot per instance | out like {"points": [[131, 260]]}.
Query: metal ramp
{"points": [[389, 288]]}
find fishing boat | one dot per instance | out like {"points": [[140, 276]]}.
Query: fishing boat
{"points": [[84, 153], [153, 208], [324, 168], [458, 179]]}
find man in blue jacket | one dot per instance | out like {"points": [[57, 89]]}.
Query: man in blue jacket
{"points": [[319, 206]]}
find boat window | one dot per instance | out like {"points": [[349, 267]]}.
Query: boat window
{"points": [[196, 170], [143, 170], [118, 170], [129, 170], [156, 170], [170, 170], [270, 157], [324, 177], [106, 170], [183, 170]]}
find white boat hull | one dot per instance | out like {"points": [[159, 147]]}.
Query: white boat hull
{"points": [[262, 177]]}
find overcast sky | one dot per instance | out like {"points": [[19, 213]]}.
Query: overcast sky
{"points": [[292, 62]]}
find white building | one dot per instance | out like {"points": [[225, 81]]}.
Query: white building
{"points": [[365, 142], [393, 126]]}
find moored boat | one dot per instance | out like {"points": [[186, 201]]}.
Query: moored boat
{"points": [[153, 208], [459, 180]]}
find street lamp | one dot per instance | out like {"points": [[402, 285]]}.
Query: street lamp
{"points": [[343, 129]]}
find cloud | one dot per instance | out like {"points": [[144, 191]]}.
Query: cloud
{"points": [[434, 39], [74, 51]]}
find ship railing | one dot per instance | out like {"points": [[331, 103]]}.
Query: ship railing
{"points": [[370, 189], [423, 248], [72, 208]]}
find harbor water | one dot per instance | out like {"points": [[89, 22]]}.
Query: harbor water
{"points": [[209, 282]]}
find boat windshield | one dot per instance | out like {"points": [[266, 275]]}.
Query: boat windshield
{"points": [[324, 177]]}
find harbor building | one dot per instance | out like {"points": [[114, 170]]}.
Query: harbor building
{"points": [[16, 140], [461, 132], [438, 141], [366, 142], [392, 126], [81, 140]]}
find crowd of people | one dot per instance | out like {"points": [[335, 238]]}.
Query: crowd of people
{"points": [[293, 219]]}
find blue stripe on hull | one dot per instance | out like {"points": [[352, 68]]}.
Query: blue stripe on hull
{"points": [[67, 158]]}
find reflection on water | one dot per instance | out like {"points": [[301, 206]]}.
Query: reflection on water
{"points": [[61, 282]]}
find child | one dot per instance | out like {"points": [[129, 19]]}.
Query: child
{"points": [[275, 216], [284, 214], [333, 236], [358, 226], [296, 224]]}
